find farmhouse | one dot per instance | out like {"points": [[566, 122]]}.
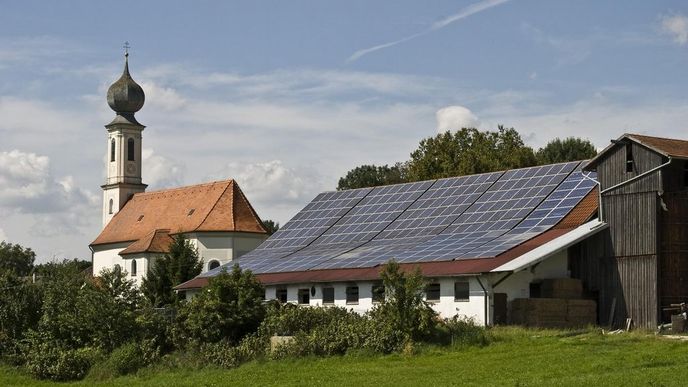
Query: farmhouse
{"points": [[487, 242], [138, 226]]}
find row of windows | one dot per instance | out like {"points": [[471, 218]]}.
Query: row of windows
{"points": [[432, 293], [130, 150]]}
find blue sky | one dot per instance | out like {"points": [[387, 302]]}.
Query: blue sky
{"points": [[274, 95]]}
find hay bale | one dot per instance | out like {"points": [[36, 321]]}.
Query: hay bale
{"points": [[567, 288]]}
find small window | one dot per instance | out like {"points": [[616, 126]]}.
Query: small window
{"points": [[685, 174], [281, 295], [432, 292], [213, 265], [328, 295], [629, 157], [130, 149], [378, 293], [352, 294], [304, 296], [112, 150], [133, 268], [263, 296], [112, 203], [461, 291]]}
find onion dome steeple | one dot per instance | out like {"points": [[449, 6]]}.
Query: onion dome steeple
{"points": [[125, 96]]}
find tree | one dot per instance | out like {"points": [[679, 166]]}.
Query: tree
{"points": [[229, 308], [179, 265], [372, 175], [568, 149], [469, 151], [404, 305], [271, 226], [16, 259]]}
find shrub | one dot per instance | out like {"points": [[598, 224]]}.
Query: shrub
{"points": [[49, 360], [229, 308], [464, 331], [224, 354]]}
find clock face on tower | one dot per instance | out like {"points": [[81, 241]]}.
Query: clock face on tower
{"points": [[131, 168]]}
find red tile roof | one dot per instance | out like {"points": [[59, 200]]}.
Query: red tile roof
{"points": [[216, 206], [157, 241]]}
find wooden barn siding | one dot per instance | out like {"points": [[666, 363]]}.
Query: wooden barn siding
{"points": [[633, 223], [632, 281], [611, 170], [673, 267], [622, 262]]}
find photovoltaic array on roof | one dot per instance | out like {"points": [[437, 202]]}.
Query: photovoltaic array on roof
{"points": [[476, 216]]}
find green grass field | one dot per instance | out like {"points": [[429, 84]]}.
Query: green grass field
{"points": [[517, 357]]}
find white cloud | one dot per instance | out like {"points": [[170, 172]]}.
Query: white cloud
{"points": [[161, 172], [27, 185], [676, 26], [275, 189], [455, 118], [163, 98]]}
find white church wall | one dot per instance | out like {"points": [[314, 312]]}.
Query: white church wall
{"points": [[107, 256], [223, 246]]}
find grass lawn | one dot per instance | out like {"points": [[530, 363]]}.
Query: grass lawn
{"points": [[517, 357]]}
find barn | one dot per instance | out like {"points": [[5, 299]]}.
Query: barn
{"points": [[496, 247]]}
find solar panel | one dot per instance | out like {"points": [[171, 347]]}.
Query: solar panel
{"points": [[431, 213], [318, 216], [552, 210], [508, 201], [455, 218], [374, 213]]}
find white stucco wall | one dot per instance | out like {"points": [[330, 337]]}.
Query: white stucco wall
{"points": [[107, 256], [447, 307], [223, 246]]}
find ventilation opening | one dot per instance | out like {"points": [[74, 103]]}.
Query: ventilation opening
{"points": [[629, 157], [191, 211], [140, 218]]}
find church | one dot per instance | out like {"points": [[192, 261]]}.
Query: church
{"points": [[138, 226]]}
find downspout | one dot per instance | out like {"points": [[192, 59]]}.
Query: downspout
{"points": [[486, 298], [599, 195]]}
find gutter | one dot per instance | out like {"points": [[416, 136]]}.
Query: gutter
{"points": [[636, 177], [92, 267]]}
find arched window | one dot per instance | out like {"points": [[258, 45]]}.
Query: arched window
{"points": [[133, 268], [111, 204], [112, 150], [213, 264], [130, 149]]}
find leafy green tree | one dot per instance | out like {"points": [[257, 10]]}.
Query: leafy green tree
{"points": [[229, 308], [469, 151], [568, 149], [404, 306], [50, 269], [271, 225], [373, 175], [16, 259], [179, 265], [20, 310]]}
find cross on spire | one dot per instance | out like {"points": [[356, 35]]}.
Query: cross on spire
{"points": [[126, 48]]}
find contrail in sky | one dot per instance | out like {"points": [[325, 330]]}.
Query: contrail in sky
{"points": [[462, 14]]}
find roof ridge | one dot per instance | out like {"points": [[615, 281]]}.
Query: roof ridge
{"points": [[185, 187]]}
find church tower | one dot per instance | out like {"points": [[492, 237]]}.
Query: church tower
{"points": [[125, 97]]}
